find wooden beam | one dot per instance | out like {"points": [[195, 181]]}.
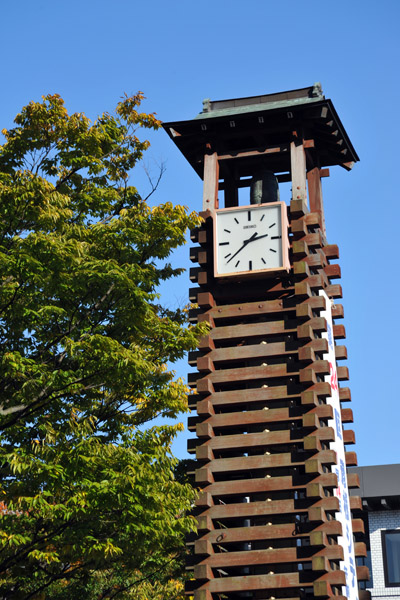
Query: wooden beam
{"points": [[298, 170], [270, 556], [315, 195], [348, 165], [248, 153], [210, 188], [232, 397], [261, 461]]}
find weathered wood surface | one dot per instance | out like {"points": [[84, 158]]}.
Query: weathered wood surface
{"points": [[258, 152], [254, 440], [298, 170], [315, 195], [252, 351], [289, 391], [225, 465], [268, 531], [273, 556], [226, 512], [266, 371], [263, 485], [265, 582], [273, 415], [304, 350], [235, 332], [210, 188], [245, 309], [271, 438]]}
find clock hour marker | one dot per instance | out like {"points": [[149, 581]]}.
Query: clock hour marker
{"points": [[262, 217], [249, 215], [272, 250], [271, 225], [228, 255], [227, 230], [237, 263], [276, 237], [223, 244], [263, 261], [250, 265], [236, 220]]}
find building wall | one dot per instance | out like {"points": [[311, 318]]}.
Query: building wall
{"points": [[378, 521]]}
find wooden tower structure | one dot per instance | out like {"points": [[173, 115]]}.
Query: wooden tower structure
{"points": [[273, 515]]}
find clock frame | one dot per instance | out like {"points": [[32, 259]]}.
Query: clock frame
{"points": [[251, 241]]}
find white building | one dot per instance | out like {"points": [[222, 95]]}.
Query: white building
{"points": [[380, 492]]}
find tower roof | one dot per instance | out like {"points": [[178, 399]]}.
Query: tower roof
{"points": [[259, 122]]}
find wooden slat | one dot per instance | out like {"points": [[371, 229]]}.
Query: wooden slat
{"points": [[274, 415], [254, 440], [363, 573], [232, 397], [334, 291], [273, 438], [234, 332], [249, 486], [263, 372], [332, 271], [242, 463], [265, 532], [265, 307], [266, 557], [244, 510], [340, 352], [253, 582], [251, 351], [331, 251], [265, 582]]}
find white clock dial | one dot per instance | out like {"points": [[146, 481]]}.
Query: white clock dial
{"points": [[249, 239]]}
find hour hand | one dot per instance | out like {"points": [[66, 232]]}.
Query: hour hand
{"points": [[256, 237]]}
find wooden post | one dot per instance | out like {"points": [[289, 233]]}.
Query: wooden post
{"points": [[315, 195], [298, 168], [210, 188]]}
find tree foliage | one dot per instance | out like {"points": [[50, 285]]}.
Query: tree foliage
{"points": [[89, 497]]}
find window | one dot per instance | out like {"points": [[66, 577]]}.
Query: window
{"points": [[391, 556]]}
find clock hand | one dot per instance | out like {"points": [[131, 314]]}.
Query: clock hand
{"points": [[237, 252], [254, 238], [245, 242]]}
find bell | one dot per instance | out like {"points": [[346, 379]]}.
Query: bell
{"points": [[264, 188]]}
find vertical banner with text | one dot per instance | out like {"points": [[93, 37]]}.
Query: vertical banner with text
{"points": [[348, 565]]}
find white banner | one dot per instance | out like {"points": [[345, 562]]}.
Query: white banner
{"points": [[348, 565]]}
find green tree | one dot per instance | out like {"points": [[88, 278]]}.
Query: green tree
{"points": [[90, 502]]}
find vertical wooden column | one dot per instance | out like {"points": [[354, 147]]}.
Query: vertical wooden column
{"points": [[315, 195], [298, 169], [210, 188]]}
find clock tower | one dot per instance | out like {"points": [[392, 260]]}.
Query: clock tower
{"points": [[275, 519]]}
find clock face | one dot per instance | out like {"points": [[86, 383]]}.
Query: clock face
{"points": [[249, 239]]}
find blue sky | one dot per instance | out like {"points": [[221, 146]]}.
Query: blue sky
{"points": [[179, 52]]}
